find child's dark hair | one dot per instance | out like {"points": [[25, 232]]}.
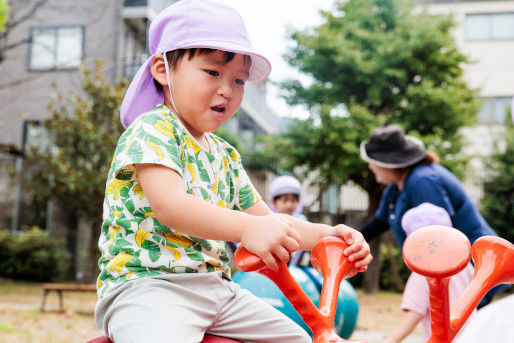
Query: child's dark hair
{"points": [[176, 55]]}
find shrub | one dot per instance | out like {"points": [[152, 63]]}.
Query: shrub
{"points": [[31, 256]]}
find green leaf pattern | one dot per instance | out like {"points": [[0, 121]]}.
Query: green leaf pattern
{"points": [[133, 243]]}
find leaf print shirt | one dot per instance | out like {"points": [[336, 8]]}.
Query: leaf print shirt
{"points": [[133, 243]]}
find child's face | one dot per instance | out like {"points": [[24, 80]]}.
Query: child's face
{"points": [[286, 203], [207, 90]]}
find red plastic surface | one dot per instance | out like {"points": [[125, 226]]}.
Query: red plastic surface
{"points": [[438, 252], [206, 339], [320, 321]]}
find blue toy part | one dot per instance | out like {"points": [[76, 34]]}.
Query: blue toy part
{"points": [[311, 282], [347, 304], [266, 290]]}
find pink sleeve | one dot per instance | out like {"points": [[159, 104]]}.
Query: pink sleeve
{"points": [[416, 296]]}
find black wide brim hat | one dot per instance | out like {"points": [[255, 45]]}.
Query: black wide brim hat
{"points": [[389, 147]]}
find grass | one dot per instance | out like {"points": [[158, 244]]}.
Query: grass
{"points": [[22, 321]]}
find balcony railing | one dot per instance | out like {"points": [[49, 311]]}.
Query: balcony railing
{"points": [[144, 9]]}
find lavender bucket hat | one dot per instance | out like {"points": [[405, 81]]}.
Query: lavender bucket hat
{"points": [[423, 215], [189, 24]]}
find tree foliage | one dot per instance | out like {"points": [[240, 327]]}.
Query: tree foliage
{"points": [[373, 62], [4, 12], [82, 133], [498, 201]]}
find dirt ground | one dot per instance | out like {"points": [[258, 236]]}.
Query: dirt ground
{"points": [[21, 320]]}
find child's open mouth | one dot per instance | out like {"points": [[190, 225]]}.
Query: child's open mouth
{"points": [[219, 111]]}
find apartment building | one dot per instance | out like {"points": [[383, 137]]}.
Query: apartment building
{"points": [[484, 32], [49, 47]]}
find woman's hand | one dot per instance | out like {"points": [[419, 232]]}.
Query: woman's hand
{"points": [[272, 238], [358, 250]]}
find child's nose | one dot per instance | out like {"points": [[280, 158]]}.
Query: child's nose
{"points": [[225, 90]]}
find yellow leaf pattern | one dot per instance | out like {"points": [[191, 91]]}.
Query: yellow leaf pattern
{"points": [[166, 128], [178, 239], [138, 190], [234, 155], [176, 254], [112, 235], [115, 186], [119, 262], [191, 169], [157, 149], [192, 144], [141, 236]]}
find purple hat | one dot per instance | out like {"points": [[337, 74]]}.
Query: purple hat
{"points": [[423, 215], [189, 24], [286, 184]]}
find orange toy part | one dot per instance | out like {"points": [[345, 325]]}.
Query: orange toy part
{"points": [[438, 252], [320, 321]]}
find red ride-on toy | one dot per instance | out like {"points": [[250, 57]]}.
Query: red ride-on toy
{"points": [[321, 321]]}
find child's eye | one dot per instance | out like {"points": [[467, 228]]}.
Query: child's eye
{"points": [[240, 82], [212, 72]]}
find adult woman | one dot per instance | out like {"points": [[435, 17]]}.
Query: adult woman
{"points": [[413, 176]]}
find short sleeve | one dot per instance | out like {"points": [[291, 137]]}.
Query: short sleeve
{"points": [[150, 139], [429, 188], [416, 296], [246, 194]]}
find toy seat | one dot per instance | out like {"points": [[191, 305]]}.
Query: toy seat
{"points": [[206, 339]]}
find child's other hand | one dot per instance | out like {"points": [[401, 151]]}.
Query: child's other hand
{"points": [[358, 251], [271, 237]]}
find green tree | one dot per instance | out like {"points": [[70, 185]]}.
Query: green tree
{"points": [[82, 133], [498, 201], [4, 12], [373, 62]]}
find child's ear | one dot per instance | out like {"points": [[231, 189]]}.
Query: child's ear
{"points": [[158, 70]]}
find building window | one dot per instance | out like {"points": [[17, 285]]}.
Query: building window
{"points": [[56, 47], [495, 110], [491, 26]]}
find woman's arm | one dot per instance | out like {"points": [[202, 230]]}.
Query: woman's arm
{"points": [[374, 227], [408, 324]]}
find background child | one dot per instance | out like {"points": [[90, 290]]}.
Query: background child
{"points": [[176, 192], [285, 196], [416, 303]]}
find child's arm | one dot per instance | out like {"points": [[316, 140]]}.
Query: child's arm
{"points": [[358, 251], [408, 324], [183, 212]]}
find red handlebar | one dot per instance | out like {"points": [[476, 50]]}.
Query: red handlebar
{"points": [[320, 321]]}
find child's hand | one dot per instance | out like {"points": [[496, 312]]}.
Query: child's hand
{"points": [[358, 251], [271, 237]]}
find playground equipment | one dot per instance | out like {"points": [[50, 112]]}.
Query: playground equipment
{"points": [[311, 281], [319, 320], [438, 252]]}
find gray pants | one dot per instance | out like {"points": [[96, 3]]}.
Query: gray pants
{"points": [[182, 307]]}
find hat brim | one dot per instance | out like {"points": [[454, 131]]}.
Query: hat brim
{"points": [[412, 154], [260, 68], [142, 95]]}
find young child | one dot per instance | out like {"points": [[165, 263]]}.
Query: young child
{"points": [[176, 192], [285, 196], [416, 303]]}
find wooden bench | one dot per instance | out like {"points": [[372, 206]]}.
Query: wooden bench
{"points": [[64, 287]]}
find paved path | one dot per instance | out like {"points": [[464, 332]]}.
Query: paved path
{"points": [[378, 337]]}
